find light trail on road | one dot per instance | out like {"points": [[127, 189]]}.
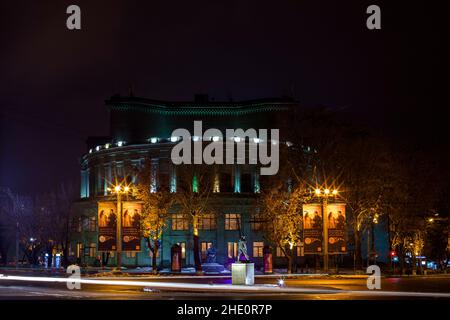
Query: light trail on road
{"points": [[192, 287]]}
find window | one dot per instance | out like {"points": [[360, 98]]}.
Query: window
{"points": [[300, 251], [85, 223], [232, 221], [92, 224], [258, 249], [76, 224], [183, 249], [280, 252], [131, 254], [256, 222], [79, 250], [71, 252], [204, 247], [92, 250], [207, 222], [232, 250], [179, 222]]}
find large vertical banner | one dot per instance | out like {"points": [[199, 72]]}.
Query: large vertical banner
{"points": [[312, 228], [336, 228], [131, 226], [107, 226]]}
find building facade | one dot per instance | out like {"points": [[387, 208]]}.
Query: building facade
{"points": [[141, 130]]}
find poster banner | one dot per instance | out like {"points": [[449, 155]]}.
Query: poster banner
{"points": [[131, 224], [336, 228], [107, 226], [312, 228]]}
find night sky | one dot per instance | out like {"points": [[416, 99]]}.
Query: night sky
{"points": [[53, 81]]}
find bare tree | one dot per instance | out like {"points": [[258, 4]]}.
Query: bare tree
{"points": [[192, 199], [156, 204]]}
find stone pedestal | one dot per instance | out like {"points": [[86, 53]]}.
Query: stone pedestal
{"points": [[243, 273]]}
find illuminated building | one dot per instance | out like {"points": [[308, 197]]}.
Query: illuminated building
{"points": [[141, 129]]}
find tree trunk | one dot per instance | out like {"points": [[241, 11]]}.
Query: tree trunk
{"points": [[401, 256], [358, 255], [289, 264], [65, 259], [197, 260], [414, 264], [105, 258], [155, 255]]}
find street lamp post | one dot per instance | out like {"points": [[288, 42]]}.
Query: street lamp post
{"points": [[118, 190], [324, 195], [119, 232]]}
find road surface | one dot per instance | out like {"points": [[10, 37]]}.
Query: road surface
{"points": [[191, 287]]}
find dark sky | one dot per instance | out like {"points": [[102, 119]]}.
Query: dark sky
{"points": [[53, 81]]}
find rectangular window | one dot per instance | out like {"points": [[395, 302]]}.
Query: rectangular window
{"points": [[256, 222], [183, 249], [232, 250], [179, 222], [207, 222], [85, 224], [280, 252], [232, 221], [79, 250], [130, 254], [92, 250], [258, 249], [204, 247], [76, 224], [92, 224]]}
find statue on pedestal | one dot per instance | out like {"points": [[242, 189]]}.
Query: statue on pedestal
{"points": [[242, 249]]}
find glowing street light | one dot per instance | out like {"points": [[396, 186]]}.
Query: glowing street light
{"points": [[325, 194], [118, 191]]}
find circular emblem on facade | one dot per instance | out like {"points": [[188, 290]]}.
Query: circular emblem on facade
{"points": [[102, 239]]}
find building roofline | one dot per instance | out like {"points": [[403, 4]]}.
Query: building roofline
{"points": [[199, 107]]}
